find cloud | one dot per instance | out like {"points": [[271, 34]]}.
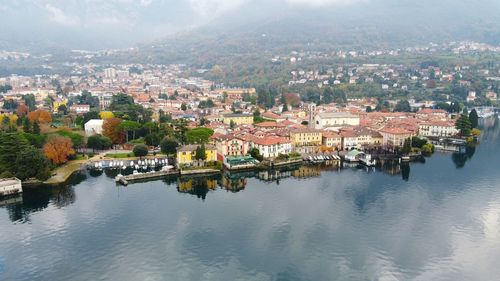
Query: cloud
{"points": [[214, 8], [319, 3], [58, 16]]}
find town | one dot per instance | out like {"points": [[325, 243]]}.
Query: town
{"points": [[129, 111]]}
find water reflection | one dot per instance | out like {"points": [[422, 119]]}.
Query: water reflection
{"points": [[346, 224], [199, 186]]}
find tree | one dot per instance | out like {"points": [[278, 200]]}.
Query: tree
{"points": [[369, 109], [111, 129], [169, 146], [200, 153], [140, 150], [41, 116], [402, 106], [77, 139], [29, 101], [99, 142], [22, 110], [232, 124], [183, 107], [152, 139], [58, 149], [473, 118], [255, 153], [36, 128], [285, 107], [199, 135], [10, 145], [31, 163], [10, 104], [406, 146], [106, 115], [128, 126], [463, 124], [62, 109], [327, 95]]}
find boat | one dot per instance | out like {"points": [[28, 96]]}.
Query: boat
{"points": [[367, 160]]}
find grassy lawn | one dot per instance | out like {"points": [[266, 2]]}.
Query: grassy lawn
{"points": [[120, 155], [81, 157]]}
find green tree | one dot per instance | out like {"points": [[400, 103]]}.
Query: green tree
{"points": [[36, 128], [152, 139], [99, 142], [183, 107], [327, 95], [463, 124], [129, 126], [255, 153], [169, 146], [199, 135], [406, 146], [369, 109], [62, 109], [200, 153], [140, 150], [473, 118], [232, 124], [402, 106], [10, 145], [31, 163]]}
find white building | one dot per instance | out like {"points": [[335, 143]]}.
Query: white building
{"points": [[94, 127], [437, 129], [80, 108], [272, 146], [335, 120]]}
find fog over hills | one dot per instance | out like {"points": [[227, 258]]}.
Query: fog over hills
{"points": [[187, 27]]}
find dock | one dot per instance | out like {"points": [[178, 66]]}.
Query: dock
{"points": [[10, 186], [144, 176]]}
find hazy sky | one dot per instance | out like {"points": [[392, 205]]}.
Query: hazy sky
{"points": [[124, 23], [117, 21]]}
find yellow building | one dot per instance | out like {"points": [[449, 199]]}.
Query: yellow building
{"points": [[186, 154], [306, 137], [238, 119]]}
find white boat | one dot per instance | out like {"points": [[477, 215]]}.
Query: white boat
{"points": [[367, 160]]}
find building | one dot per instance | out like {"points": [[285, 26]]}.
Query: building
{"points": [[437, 129], [335, 120], [10, 186], [306, 137], [186, 154], [94, 127], [332, 139], [228, 145], [238, 119], [80, 108], [395, 137], [270, 147], [110, 73]]}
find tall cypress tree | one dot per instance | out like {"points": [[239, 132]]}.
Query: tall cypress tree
{"points": [[473, 118]]}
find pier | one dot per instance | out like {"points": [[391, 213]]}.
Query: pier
{"points": [[10, 186], [145, 176]]}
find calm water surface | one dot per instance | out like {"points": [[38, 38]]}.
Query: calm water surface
{"points": [[438, 220]]}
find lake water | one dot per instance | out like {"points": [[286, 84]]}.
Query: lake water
{"points": [[438, 220]]}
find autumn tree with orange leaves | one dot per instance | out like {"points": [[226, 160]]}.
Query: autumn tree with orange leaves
{"points": [[58, 150], [40, 115], [111, 129]]}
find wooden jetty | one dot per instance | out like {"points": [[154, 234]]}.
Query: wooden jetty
{"points": [[144, 176]]}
